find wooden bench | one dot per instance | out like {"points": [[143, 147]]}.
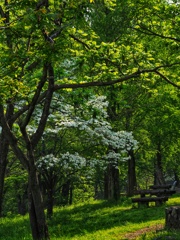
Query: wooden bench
{"points": [[144, 201], [155, 192], [166, 186]]}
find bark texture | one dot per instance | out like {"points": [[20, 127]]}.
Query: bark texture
{"points": [[4, 148], [132, 183], [172, 217], [36, 207], [111, 183]]}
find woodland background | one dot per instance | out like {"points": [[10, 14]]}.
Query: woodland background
{"points": [[89, 102]]}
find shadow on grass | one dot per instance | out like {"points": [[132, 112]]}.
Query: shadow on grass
{"points": [[80, 220], [100, 216]]}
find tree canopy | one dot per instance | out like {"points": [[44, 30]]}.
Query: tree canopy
{"points": [[55, 56]]}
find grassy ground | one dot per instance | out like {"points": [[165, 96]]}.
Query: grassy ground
{"points": [[97, 220]]}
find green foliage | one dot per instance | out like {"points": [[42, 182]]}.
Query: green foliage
{"points": [[94, 42], [83, 193], [15, 193]]}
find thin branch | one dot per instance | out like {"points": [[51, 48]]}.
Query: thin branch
{"points": [[108, 83], [79, 40], [56, 34], [48, 97], [33, 65], [151, 33], [32, 105], [2, 13], [167, 80], [94, 84]]}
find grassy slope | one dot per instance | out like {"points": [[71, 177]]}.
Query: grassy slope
{"points": [[98, 220]]}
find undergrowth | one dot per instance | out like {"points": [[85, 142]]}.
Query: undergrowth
{"points": [[96, 220]]}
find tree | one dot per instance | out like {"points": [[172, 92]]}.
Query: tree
{"points": [[152, 44], [16, 188], [80, 143], [38, 41]]}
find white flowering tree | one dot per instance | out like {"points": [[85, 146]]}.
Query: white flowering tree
{"points": [[79, 140], [58, 171]]}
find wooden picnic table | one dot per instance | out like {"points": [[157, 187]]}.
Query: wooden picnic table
{"points": [[166, 186], [157, 194], [144, 201]]}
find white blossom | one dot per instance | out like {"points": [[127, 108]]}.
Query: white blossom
{"points": [[93, 130]]}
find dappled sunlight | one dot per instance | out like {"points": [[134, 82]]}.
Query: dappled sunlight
{"points": [[96, 220], [92, 218]]}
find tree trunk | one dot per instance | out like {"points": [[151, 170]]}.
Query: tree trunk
{"points": [[65, 192], [50, 202], [2, 176], [71, 195], [111, 183], [22, 203], [172, 217], [98, 188], [132, 183], [4, 149], [3, 163], [36, 208], [158, 170]]}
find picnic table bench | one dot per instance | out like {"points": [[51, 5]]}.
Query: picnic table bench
{"points": [[158, 194], [167, 186], [144, 201]]}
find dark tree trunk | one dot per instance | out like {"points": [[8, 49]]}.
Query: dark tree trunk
{"points": [[99, 184], [158, 169], [172, 217], [2, 176], [98, 189], [22, 203], [36, 207], [3, 164], [37, 216], [132, 183], [111, 183], [4, 144], [65, 192], [50, 202], [4, 148], [70, 195]]}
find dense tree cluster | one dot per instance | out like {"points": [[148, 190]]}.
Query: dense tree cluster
{"points": [[89, 101]]}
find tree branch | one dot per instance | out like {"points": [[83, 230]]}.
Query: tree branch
{"points": [[108, 83], [151, 33], [12, 139], [167, 80], [32, 105], [2, 13], [100, 84], [79, 40], [48, 97]]}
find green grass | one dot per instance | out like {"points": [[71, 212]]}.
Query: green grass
{"points": [[96, 220]]}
